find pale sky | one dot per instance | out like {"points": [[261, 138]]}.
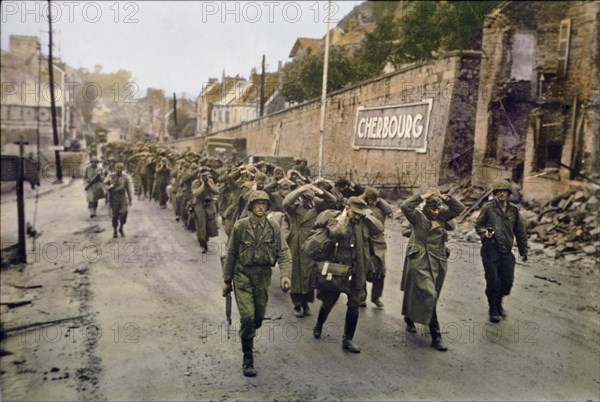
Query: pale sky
{"points": [[172, 45]]}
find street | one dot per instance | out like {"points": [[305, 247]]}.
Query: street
{"points": [[144, 319]]}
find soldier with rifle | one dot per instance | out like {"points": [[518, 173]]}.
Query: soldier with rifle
{"points": [[255, 245]]}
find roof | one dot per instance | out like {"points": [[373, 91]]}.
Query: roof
{"points": [[311, 45]]}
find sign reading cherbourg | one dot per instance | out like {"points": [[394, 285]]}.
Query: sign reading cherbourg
{"points": [[399, 127]]}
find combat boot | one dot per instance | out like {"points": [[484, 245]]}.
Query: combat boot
{"points": [[318, 329], [410, 325], [115, 233], [436, 340], [247, 349], [349, 329], [501, 310], [92, 212], [493, 310]]}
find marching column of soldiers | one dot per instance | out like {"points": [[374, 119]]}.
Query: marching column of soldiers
{"points": [[268, 214]]}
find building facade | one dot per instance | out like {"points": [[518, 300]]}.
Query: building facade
{"points": [[537, 114]]}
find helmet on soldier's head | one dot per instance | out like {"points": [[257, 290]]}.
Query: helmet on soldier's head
{"points": [[119, 167], [502, 185], [94, 159], [258, 195]]}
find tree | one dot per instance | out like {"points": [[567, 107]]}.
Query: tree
{"points": [[302, 79]]}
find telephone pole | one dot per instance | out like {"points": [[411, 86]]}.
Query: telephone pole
{"points": [[262, 88], [53, 100]]}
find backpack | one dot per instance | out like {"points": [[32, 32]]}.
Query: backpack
{"points": [[319, 246]]}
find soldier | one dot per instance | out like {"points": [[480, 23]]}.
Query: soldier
{"points": [[302, 212], [498, 223], [92, 177], [255, 245], [381, 210], [426, 259], [302, 167], [163, 175], [205, 208], [119, 188], [353, 230]]}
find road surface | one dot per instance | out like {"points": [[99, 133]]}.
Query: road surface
{"points": [[144, 319]]}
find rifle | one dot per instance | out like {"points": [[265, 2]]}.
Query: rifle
{"points": [[95, 180], [227, 302]]}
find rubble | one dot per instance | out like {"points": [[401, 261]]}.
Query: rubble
{"points": [[567, 226]]}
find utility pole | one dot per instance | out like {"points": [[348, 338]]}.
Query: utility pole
{"points": [[262, 88], [324, 91], [175, 114], [53, 100], [22, 255]]}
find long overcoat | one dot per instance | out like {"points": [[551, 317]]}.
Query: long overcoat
{"points": [[426, 260]]}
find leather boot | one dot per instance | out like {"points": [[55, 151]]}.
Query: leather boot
{"points": [[501, 310], [320, 321], [247, 349], [349, 329], [92, 212], [115, 233], [493, 309], [121, 231], [436, 340], [410, 325]]}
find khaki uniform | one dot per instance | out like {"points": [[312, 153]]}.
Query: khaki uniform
{"points": [[254, 247], [119, 189], [94, 191]]}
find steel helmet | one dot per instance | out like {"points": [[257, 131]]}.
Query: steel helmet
{"points": [[258, 195], [502, 185]]}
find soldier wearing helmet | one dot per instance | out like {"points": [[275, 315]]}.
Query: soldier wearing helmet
{"points": [[119, 189], [255, 245], [92, 177], [498, 224]]}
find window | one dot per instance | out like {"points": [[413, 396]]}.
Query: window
{"points": [[523, 55], [563, 47], [227, 117]]}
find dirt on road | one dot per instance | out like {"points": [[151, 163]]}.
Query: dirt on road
{"points": [[142, 317]]}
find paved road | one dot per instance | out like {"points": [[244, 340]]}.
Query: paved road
{"points": [[154, 326]]}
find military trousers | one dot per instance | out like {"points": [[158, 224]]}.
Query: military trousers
{"points": [[251, 286], [499, 270]]}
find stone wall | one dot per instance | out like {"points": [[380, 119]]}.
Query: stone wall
{"points": [[452, 83]]}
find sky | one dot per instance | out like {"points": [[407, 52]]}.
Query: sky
{"points": [[172, 45]]}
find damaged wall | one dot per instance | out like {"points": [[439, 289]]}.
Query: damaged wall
{"points": [[554, 115]]}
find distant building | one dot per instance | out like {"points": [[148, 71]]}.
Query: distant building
{"points": [[26, 97], [235, 100]]}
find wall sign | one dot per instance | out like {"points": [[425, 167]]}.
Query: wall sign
{"points": [[399, 127]]}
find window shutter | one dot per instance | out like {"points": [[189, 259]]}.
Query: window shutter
{"points": [[563, 47]]}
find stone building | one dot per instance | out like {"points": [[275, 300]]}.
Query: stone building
{"points": [[537, 113], [25, 97]]}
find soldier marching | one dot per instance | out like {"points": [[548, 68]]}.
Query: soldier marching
{"points": [[269, 213]]}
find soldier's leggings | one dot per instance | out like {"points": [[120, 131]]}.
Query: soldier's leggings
{"points": [[251, 286]]}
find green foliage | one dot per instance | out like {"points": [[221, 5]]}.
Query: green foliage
{"points": [[428, 28], [435, 27], [303, 78]]}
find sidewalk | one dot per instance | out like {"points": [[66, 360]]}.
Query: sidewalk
{"points": [[9, 219]]}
